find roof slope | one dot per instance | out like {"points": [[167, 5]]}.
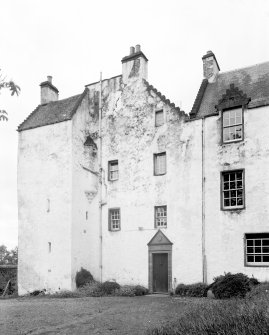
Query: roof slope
{"points": [[252, 81], [52, 112]]}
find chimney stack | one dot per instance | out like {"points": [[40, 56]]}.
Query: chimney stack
{"points": [[48, 91], [210, 66], [135, 65]]}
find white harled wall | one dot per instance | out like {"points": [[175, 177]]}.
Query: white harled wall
{"points": [[85, 228], [130, 136], [44, 205], [225, 230]]}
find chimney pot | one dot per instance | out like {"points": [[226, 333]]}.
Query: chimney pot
{"points": [[48, 91], [132, 50], [137, 48]]}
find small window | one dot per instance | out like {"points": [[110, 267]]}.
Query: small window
{"points": [[232, 121], [160, 216], [113, 170], [257, 249], [49, 244], [160, 164], [114, 219], [159, 118], [233, 189]]}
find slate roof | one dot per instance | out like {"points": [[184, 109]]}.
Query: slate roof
{"points": [[252, 81], [52, 112]]}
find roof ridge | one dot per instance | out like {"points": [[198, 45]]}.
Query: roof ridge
{"points": [[243, 68], [161, 96]]}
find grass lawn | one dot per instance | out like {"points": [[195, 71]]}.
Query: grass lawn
{"points": [[105, 315]]}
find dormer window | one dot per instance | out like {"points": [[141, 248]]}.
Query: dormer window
{"points": [[232, 122], [231, 105]]}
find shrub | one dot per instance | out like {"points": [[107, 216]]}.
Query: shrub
{"points": [[109, 287], [125, 291], [93, 289], [231, 285], [253, 281], [192, 290], [83, 277], [141, 290], [259, 291]]}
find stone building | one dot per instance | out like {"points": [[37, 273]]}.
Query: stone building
{"points": [[161, 197]]}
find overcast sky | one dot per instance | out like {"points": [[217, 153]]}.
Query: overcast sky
{"points": [[74, 40]]}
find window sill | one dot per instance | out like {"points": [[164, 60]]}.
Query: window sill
{"points": [[233, 141], [256, 266], [233, 209]]}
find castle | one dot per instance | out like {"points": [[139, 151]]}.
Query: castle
{"points": [[120, 181]]}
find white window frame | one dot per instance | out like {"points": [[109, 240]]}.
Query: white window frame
{"points": [[232, 189], [257, 249], [159, 161], [113, 170], [160, 216], [232, 119], [114, 219]]}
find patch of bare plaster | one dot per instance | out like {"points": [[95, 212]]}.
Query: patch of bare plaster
{"points": [[135, 69], [161, 141], [53, 156]]}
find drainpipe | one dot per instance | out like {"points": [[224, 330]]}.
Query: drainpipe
{"points": [[203, 204], [100, 183]]}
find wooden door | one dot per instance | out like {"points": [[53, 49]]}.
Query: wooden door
{"points": [[160, 272]]}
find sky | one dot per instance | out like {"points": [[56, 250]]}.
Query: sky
{"points": [[74, 40]]}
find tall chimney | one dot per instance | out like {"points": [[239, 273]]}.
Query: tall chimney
{"points": [[48, 91], [135, 65], [210, 66]]}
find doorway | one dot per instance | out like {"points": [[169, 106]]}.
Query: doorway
{"points": [[160, 263], [160, 272]]}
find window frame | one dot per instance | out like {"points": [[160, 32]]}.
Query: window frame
{"points": [[155, 216], [222, 125], [253, 264], [234, 208], [163, 153], [109, 169], [110, 228], [163, 120]]}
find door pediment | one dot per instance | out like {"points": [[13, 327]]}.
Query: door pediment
{"points": [[159, 239]]}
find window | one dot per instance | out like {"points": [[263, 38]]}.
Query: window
{"points": [[160, 164], [113, 170], [160, 216], [257, 249], [232, 125], [159, 118], [114, 219], [232, 189]]}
